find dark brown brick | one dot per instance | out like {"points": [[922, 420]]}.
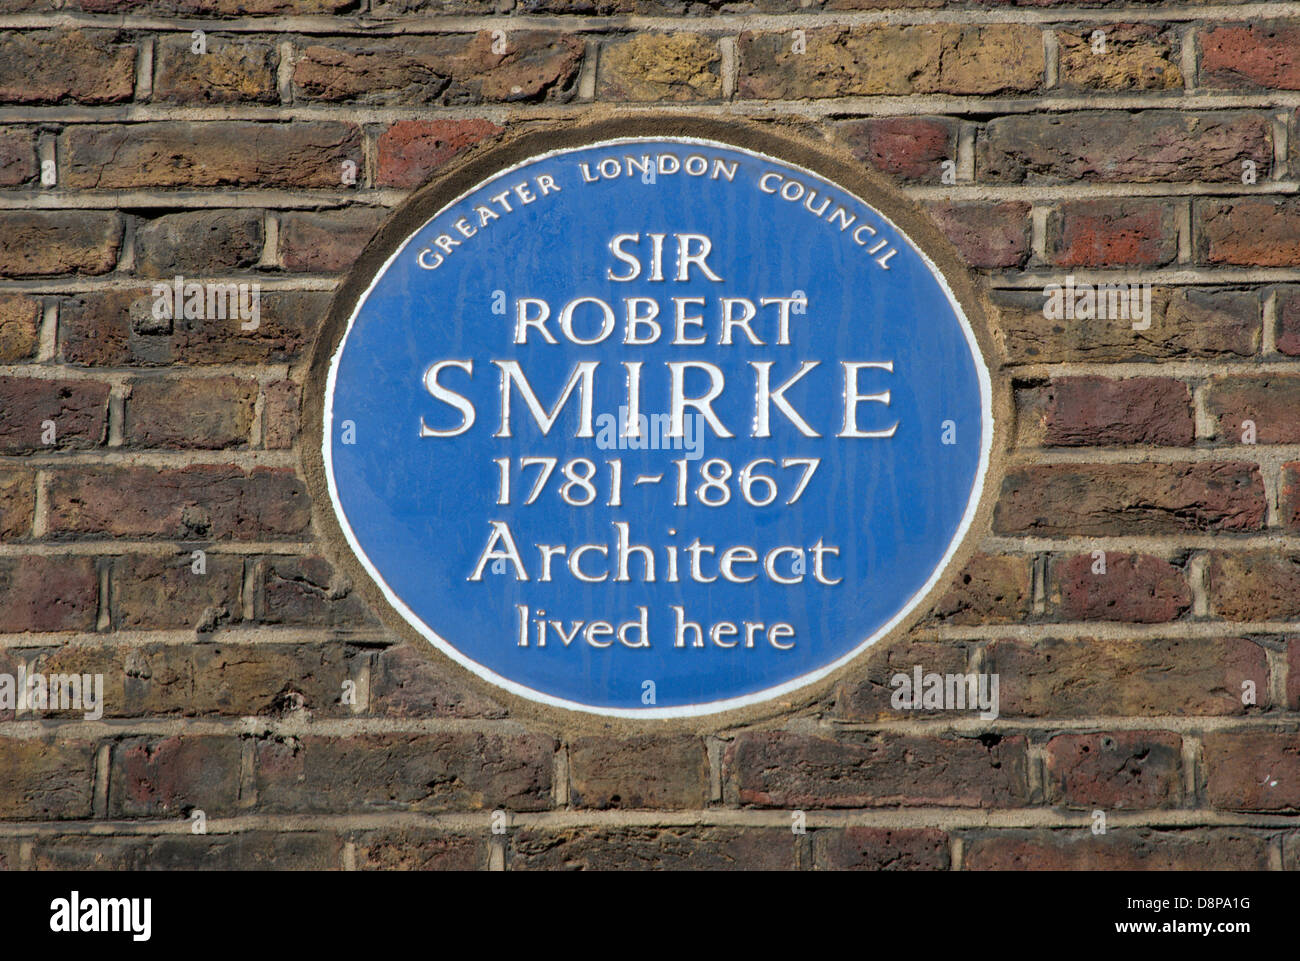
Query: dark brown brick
{"points": [[152, 592], [232, 70], [326, 242], [640, 772], [910, 148], [169, 777], [1099, 411], [1131, 499], [17, 503], [653, 849], [1140, 849], [1271, 404], [868, 695], [280, 415], [307, 591], [241, 851], [210, 502], [39, 243], [59, 66], [20, 327], [1135, 588], [1252, 771], [1254, 585], [1116, 771], [776, 769], [408, 683], [411, 150], [415, 850], [883, 849], [202, 243], [989, 590], [990, 236], [77, 409], [17, 157], [46, 780], [47, 593], [210, 413]]}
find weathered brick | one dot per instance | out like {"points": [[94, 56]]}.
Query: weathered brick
{"points": [[889, 59], [78, 410], [1131, 499], [220, 8], [1092, 677], [225, 154], [38, 243], [1104, 146], [910, 148], [1289, 496], [449, 69], [232, 70], [661, 67], [415, 850], [411, 150], [1252, 771], [989, 590], [1139, 849], [57, 66], [989, 236], [1254, 585], [1135, 589], [776, 769], [45, 779], [280, 415], [1099, 411], [47, 593], [1271, 404], [1251, 55], [327, 242], [1112, 233], [405, 772], [307, 591], [1288, 321], [641, 772], [407, 683], [193, 412], [166, 592], [1249, 232], [1185, 323], [1292, 675], [653, 849], [169, 777], [1139, 56], [20, 327], [883, 849], [1116, 771], [241, 851], [17, 157], [17, 502], [202, 242], [116, 328], [869, 697], [210, 502]]}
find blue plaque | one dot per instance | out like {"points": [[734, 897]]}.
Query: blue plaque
{"points": [[655, 426]]}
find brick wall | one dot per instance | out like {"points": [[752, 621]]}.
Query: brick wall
{"points": [[126, 157]]}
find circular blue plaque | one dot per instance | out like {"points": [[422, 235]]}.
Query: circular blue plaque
{"points": [[656, 427]]}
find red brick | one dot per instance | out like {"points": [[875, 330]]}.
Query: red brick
{"points": [[1140, 849], [1288, 321], [777, 769], [1252, 771], [195, 412], [116, 328], [48, 593], [39, 243], [883, 849], [1136, 589], [77, 408], [991, 236], [208, 502], [1272, 404], [1131, 677], [640, 772], [327, 242], [221, 154], [169, 777], [1251, 55], [449, 69], [411, 150], [1250, 232], [46, 780], [1107, 146], [57, 66], [910, 148], [450, 771], [1099, 411], [1131, 499], [1116, 771], [1112, 233]]}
